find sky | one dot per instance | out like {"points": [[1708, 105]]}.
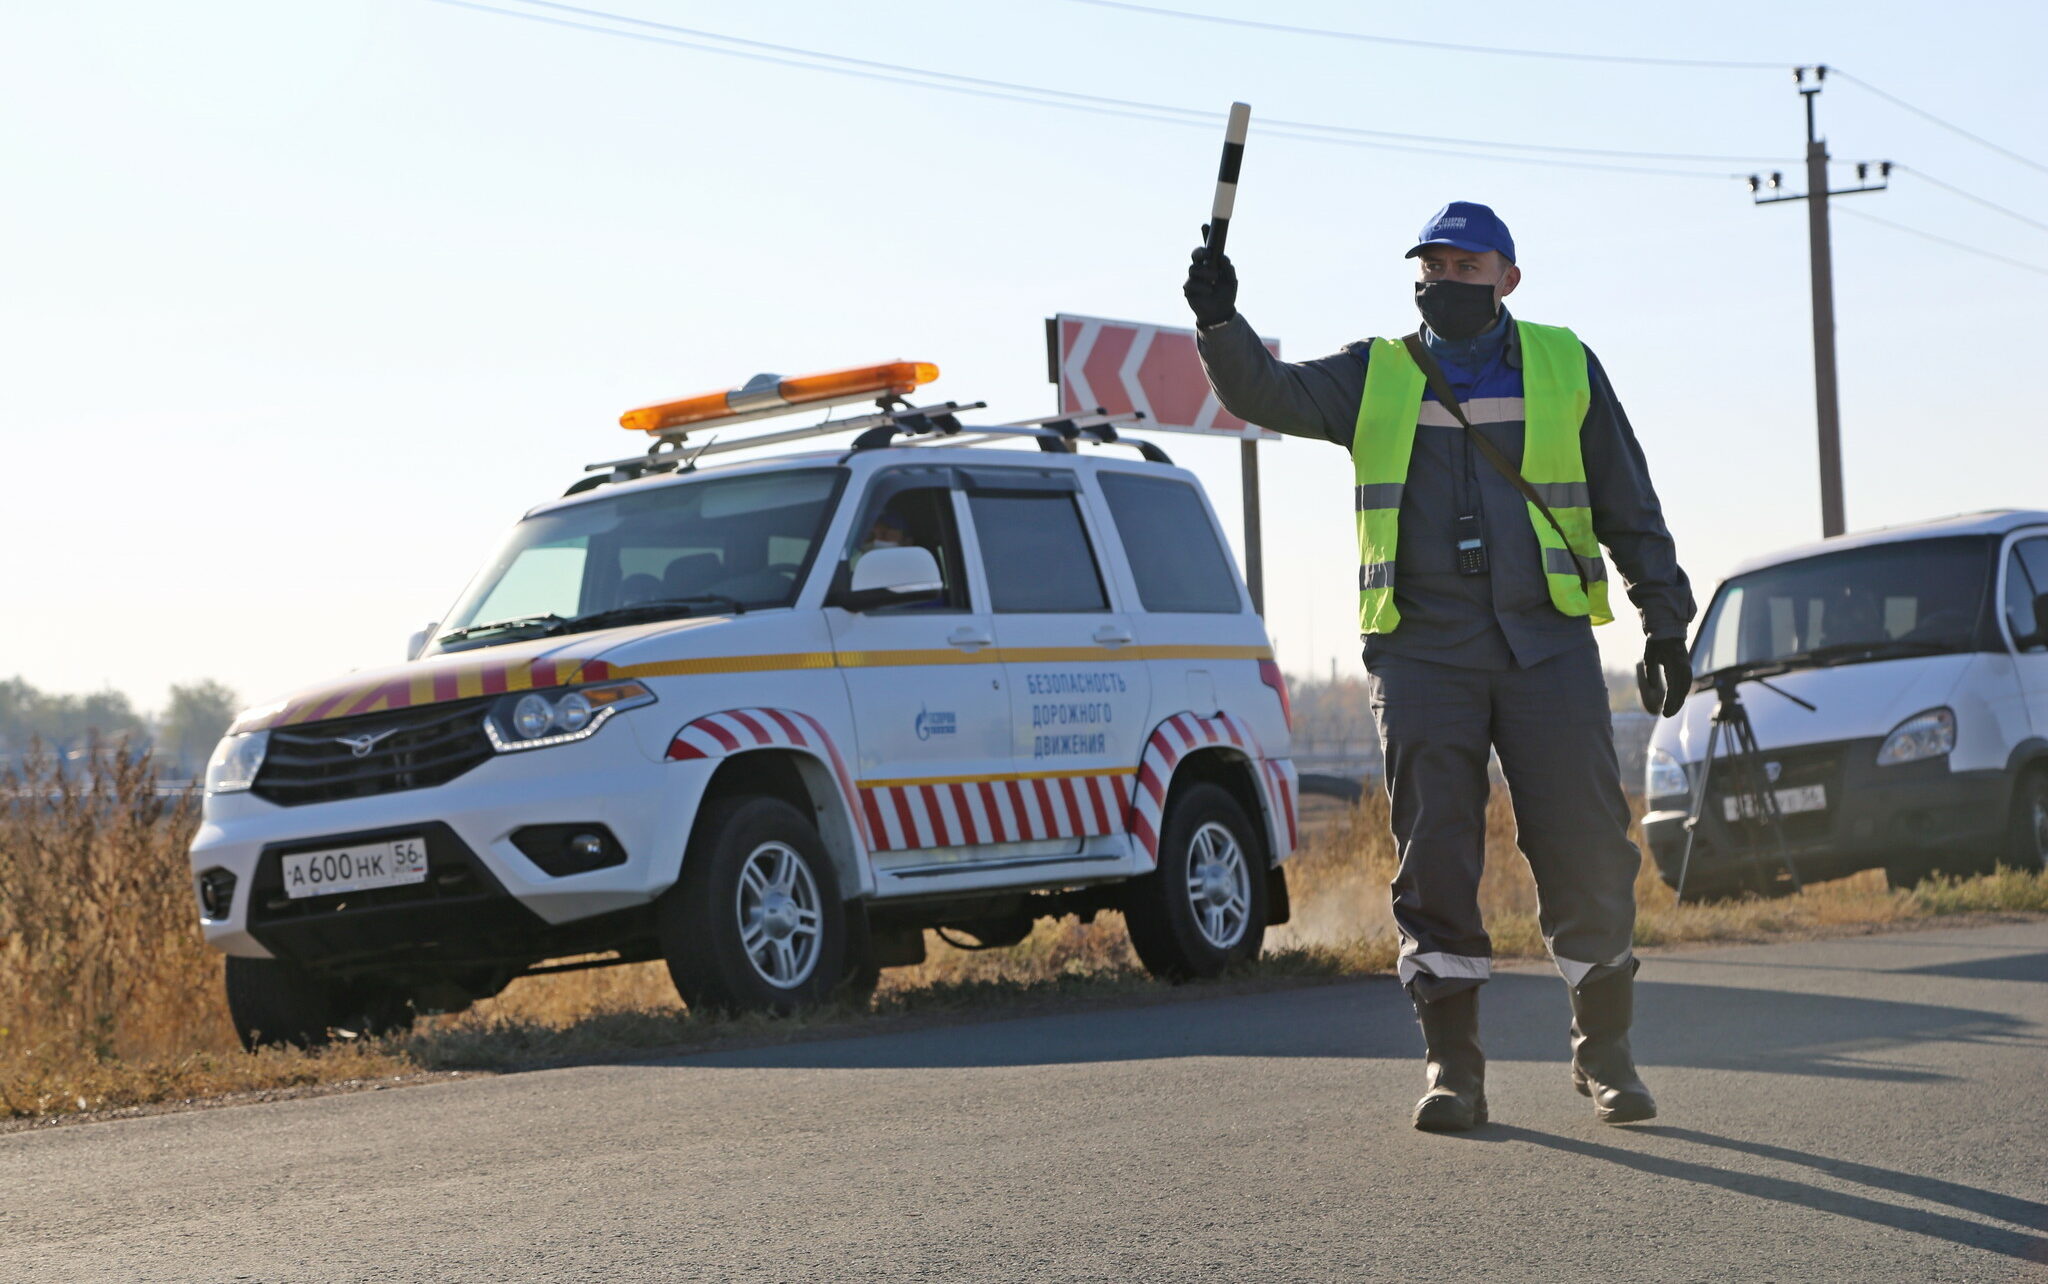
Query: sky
{"points": [[301, 306]]}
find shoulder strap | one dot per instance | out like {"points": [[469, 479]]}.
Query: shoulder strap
{"points": [[1438, 384]]}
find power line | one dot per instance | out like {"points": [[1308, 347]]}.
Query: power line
{"points": [[1567, 55], [1535, 147], [1943, 240], [1924, 114], [1925, 177], [1163, 113], [1206, 117], [1161, 11]]}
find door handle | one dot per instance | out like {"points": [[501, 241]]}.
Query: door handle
{"points": [[970, 637], [1113, 635]]}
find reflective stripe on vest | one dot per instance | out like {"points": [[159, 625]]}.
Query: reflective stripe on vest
{"points": [[1556, 393]]}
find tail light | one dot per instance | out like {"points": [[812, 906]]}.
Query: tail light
{"points": [[1269, 673]]}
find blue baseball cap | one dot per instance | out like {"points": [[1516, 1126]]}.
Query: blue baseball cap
{"points": [[1466, 225]]}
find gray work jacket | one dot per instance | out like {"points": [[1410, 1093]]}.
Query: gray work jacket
{"points": [[1503, 618]]}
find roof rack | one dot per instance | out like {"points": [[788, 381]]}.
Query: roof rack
{"points": [[895, 423]]}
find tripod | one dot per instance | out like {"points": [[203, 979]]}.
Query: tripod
{"points": [[1751, 797]]}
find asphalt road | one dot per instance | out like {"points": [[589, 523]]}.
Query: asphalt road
{"points": [[1868, 1109]]}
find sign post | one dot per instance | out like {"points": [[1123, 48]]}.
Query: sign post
{"points": [[1254, 552], [1120, 366]]}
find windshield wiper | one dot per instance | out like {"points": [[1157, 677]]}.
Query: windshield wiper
{"points": [[1878, 649], [654, 608], [549, 620]]}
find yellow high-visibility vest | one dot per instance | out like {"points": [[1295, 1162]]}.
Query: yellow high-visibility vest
{"points": [[1555, 394]]}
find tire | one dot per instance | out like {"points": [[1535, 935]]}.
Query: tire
{"points": [[2027, 841], [1204, 907], [1907, 872], [755, 924], [272, 1001]]}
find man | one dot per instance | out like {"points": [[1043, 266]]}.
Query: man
{"points": [[1477, 604]]}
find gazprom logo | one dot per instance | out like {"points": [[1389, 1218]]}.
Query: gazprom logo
{"points": [[931, 724]]}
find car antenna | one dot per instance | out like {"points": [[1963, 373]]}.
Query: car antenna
{"points": [[690, 465]]}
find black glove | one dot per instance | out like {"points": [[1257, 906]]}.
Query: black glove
{"points": [[1211, 288], [1664, 678]]}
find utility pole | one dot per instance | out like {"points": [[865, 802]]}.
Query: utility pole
{"points": [[1820, 253], [1254, 547]]}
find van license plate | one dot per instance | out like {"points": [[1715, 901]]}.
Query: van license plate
{"points": [[1790, 802], [356, 869]]}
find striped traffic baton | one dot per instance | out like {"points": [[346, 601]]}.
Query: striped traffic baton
{"points": [[1226, 178]]}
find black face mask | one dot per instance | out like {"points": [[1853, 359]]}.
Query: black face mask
{"points": [[1456, 309]]}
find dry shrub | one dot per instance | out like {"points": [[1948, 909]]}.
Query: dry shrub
{"points": [[109, 996], [100, 949]]}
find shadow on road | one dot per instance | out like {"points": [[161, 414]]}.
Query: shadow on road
{"points": [[1942, 1226], [2005, 967], [1525, 1017]]}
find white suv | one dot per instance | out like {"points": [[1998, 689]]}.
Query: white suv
{"points": [[769, 721]]}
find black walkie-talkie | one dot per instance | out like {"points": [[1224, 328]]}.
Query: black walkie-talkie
{"points": [[1471, 546]]}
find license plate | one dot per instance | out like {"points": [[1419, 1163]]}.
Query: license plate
{"points": [[1790, 802], [356, 869]]}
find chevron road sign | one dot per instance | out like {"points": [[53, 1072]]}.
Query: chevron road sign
{"points": [[1122, 366]]}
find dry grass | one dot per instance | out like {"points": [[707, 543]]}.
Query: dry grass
{"points": [[108, 998]]}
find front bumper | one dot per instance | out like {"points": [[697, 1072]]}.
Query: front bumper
{"points": [[1875, 816], [468, 823]]}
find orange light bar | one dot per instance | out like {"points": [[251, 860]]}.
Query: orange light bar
{"points": [[761, 396]]}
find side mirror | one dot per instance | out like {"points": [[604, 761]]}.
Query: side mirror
{"points": [[891, 577], [418, 641]]}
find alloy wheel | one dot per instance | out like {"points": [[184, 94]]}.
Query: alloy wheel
{"points": [[781, 924], [1219, 885]]}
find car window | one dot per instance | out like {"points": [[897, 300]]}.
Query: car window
{"points": [[898, 515], [747, 538], [1924, 593], [547, 579], [2034, 556], [1036, 553], [1175, 557], [2021, 589]]}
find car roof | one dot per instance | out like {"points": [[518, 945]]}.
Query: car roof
{"points": [[863, 462], [1996, 521]]}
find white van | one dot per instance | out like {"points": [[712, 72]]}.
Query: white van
{"points": [[769, 721], [1924, 651]]}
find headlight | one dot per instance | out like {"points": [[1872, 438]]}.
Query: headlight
{"points": [[537, 719], [1663, 777], [1924, 735], [235, 762]]}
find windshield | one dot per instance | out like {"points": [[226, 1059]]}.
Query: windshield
{"points": [[1917, 598], [712, 546]]}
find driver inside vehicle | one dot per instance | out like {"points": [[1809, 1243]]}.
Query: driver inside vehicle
{"points": [[888, 530], [917, 518]]}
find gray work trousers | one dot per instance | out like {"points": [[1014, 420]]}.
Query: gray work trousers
{"points": [[1551, 727]]}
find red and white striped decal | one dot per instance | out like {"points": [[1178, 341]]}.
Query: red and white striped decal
{"points": [[1012, 810], [1179, 736], [717, 734], [1280, 788]]}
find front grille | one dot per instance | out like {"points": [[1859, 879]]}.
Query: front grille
{"points": [[415, 749], [1821, 765]]}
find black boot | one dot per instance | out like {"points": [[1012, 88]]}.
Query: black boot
{"points": [[1456, 1072], [1601, 1065]]}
